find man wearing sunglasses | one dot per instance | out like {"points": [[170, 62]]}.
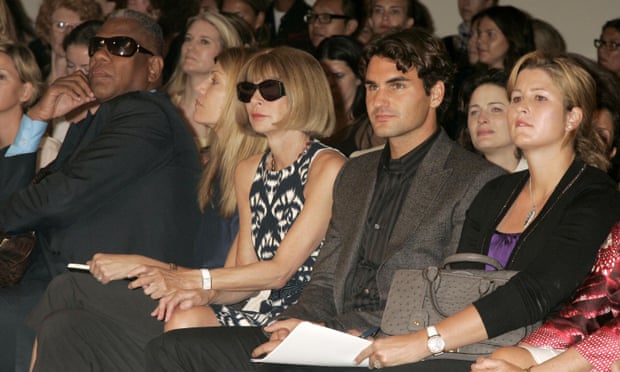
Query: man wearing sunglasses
{"points": [[332, 17], [124, 180]]}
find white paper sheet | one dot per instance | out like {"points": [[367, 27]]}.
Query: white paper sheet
{"points": [[311, 344]]}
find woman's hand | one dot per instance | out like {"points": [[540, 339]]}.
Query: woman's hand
{"points": [[494, 365], [392, 351], [158, 282], [107, 267], [183, 299]]}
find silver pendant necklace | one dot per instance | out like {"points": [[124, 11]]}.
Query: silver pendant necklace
{"points": [[532, 213]]}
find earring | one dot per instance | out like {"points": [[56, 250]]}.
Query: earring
{"points": [[569, 127]]}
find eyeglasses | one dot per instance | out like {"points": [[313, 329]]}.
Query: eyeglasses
{"points": [[122, 46], [62, 25], [611, 45], [324, 18], [270, 90]]}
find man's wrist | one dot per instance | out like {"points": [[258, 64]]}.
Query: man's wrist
{"points": [[34, 115]]}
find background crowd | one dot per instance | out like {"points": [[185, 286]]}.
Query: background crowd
{"points": [[218, 152]]}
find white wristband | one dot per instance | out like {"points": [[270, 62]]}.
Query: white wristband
{"points": [[206, 279]]}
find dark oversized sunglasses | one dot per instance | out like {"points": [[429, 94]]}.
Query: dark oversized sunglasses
{"points": [[122, 46], [271, 90]]}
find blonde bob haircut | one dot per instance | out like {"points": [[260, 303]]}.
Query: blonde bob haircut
{"points": [[231, 143], [311, 108], [26, 67], [228, 38], [579, 90]]}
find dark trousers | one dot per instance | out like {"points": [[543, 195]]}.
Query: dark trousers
{"points": [[229, 349], [15, 303], [82, 325]]}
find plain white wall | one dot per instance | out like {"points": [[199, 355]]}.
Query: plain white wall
{"points": [[579, 21]]}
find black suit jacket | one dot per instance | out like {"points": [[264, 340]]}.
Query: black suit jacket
{"points": [[553, 254], [293, 31], [15, 172], [123, 182]]}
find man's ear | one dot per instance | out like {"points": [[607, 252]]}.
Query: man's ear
{"points": [[156, 66], [437, 93], [350, 27]]}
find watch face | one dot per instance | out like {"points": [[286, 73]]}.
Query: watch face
{"points": [[436, 344]]}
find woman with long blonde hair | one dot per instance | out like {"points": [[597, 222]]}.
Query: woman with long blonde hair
{"points": [[208, 34]]}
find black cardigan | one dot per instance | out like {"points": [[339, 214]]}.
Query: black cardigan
{"points": [[553, 254]]}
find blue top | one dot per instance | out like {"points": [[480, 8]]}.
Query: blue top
{"points": [[28, 137], [215, 234]]}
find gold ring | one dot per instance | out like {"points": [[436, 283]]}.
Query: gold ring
{"points": [[376, 364]]}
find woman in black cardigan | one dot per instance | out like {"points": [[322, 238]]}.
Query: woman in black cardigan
{"points": [[547, 222]]}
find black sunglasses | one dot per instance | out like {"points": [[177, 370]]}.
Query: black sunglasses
{"points": [[271, 90], [122, 46]]}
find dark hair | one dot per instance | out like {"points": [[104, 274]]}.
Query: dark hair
{"points": [[516, 25], [248, 38], [349, 50], [547, 37], [353, 9], [173, 15], [82, 34], [480, 77], [613, 23], [414, 48], [607, 98], [421, 15]]}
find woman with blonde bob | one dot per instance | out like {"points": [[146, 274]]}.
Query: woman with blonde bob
{"points": [[547, 222], [283, 196], [19, 89], [208, 34], [114, 320]]}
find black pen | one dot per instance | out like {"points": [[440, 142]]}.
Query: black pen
{"points": [[370, 332]]}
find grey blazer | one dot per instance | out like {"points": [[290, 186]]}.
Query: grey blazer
{"points": [[428, 228]]}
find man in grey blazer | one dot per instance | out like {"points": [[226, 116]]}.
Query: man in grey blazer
{"points": [[402, 207]]}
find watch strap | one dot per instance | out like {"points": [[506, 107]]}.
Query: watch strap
{"points": [[206, 278]]}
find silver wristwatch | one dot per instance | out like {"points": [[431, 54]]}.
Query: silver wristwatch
{"points": [[436, 345]]}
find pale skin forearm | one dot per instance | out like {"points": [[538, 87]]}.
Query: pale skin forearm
{"points": [[462, 328]]}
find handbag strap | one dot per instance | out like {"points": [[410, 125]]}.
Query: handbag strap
{"points": [[471, 257]]}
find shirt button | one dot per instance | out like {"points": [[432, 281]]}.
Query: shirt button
{"points": [[376, 226], [24, 142], [366, 291]]}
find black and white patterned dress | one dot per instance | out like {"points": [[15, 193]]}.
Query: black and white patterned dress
{"points": [[276, 199]]}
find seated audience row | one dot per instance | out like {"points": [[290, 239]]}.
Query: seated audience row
{"points": [[198, 293]]}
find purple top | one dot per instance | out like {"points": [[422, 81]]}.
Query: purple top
{"points": [[501, 247]]}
